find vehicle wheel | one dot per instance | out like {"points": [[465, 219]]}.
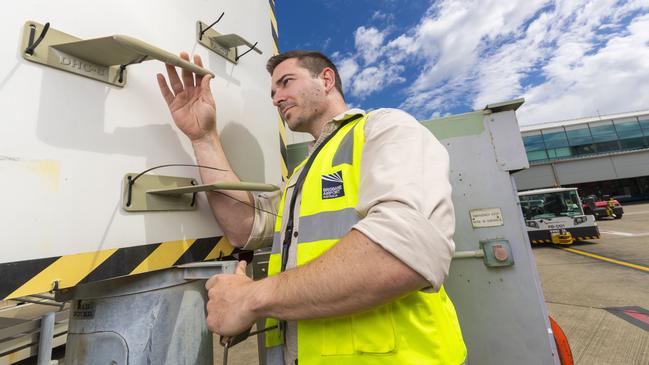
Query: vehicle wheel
{"points": [[618, 216]]}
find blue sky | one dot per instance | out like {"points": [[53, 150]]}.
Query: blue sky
{"points": [[567, 58]]}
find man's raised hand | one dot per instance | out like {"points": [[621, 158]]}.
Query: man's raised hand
{"points": [[190, 100]]}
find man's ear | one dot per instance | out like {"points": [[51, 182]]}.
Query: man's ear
{"points": [[328, 76]]}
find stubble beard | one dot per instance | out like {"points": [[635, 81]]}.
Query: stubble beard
{"points": [[311, 110], [305, 120], [299, 125]]}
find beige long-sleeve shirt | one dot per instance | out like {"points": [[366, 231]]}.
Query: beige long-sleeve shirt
{"points": [[404, 198]]}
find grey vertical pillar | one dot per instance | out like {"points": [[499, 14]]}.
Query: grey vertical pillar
{"points": [[45, 339]]}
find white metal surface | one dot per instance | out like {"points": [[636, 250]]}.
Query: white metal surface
{"points": [[66, 141]]}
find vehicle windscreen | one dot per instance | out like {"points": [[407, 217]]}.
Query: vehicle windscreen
{"points": [[551, 205]]}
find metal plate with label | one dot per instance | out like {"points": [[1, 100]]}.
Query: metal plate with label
{"points": [[486, 217], [84, 310], [47, 54], [103, 59]]}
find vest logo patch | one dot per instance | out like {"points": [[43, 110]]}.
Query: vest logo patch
{"points": [[332, 185]]}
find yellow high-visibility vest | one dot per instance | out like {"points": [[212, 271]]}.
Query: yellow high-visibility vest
{"points": [[419, 328]]}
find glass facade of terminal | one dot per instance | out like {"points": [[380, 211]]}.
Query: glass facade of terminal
{"points": [[593, 138]]}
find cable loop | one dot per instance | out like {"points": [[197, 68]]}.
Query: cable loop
{"points": [[32, 45]]}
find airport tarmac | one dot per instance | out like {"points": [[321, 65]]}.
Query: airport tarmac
{"points": [[598, 291]]}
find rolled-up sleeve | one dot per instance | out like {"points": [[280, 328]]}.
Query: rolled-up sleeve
{"points": [[405, 194], [263, 224]]}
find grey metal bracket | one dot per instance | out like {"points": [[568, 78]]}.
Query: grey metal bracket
{"points": [[494, 252], [245, 186], [132, 284], [468, 254], [504, 106], [206, 269], [136, 199], [168, 193], [104, 59], [225, 45]]}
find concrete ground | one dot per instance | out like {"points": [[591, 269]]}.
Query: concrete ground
{"points": [[578, 288]]}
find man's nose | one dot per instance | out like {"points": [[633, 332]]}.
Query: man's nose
{"points": [[279, 96], [277, 99]]}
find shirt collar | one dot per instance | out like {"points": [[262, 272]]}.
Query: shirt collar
{"points": [[331, 125], [348, 114]]}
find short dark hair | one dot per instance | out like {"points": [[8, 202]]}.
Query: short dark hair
{"points": [[313, 61]]}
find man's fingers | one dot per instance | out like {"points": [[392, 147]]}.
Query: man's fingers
{"points": [[205, 83], [210, 282], [174, 80], [188, 76], [198, 61], [241, 268], [204, 80], [164, 89]]}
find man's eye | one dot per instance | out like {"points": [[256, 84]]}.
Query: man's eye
{"points": [[286, 82]]}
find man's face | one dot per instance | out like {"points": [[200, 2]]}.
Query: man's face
{"points": [[299, 97]]}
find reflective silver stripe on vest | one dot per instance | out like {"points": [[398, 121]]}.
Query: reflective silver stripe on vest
{"points": [[277, 244], [345, 152], [275, 355], [327, 225]]}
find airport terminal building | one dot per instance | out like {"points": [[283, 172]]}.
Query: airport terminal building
{"points": [[604, 155]]}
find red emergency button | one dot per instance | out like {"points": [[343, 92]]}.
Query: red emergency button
{"points": [[500, 252]]}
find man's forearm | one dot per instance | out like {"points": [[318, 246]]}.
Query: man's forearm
{"points": [[234, 217], [354, 275]]}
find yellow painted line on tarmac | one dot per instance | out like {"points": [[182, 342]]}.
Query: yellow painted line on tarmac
{"points": [[607, 259]]}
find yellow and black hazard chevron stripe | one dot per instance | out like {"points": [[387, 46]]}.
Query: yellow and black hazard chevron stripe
{"points": [[21, 278], [281, 125], [273, 26], [586, 238], [576, 239], [541, 241]]}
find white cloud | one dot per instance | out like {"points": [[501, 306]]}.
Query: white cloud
{"points": [[374, 78], [368, 42], [400, 48], [382, 16], [347, 68], [568, 58], [451, 38], [615, 79], [326, 43]]}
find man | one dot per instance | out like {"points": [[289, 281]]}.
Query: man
{"points": [[363, 239], [610, 206]]}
